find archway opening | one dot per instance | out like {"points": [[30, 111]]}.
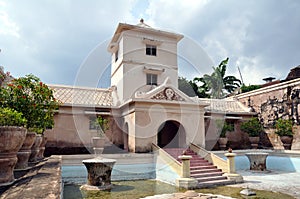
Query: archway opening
{"points": [[171, 134]]}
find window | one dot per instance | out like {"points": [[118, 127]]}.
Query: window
{"points": [[151, 50], [116, 55], [92, 125], [151, 79]]}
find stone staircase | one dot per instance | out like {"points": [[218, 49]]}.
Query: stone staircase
{"points": [[205, 172]]}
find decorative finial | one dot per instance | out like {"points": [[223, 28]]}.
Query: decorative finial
{"points": [[142, 20]]}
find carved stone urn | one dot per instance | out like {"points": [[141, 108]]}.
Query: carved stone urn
{"points": [[286, 141], [42, 148], [222, 143], [11, 140], [25, 151], [35, 149], [254, 142]]}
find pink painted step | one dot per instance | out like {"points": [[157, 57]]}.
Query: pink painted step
{"points": [[206, 173]]}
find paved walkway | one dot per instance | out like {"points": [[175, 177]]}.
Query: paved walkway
{"points": [[277, 181]]}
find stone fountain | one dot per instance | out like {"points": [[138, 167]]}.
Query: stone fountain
{"points": [[257, 161], [99, 172]]}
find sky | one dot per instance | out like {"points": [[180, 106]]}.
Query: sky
{"points": [[52, 38]]}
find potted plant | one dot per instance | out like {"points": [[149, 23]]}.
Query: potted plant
{"points": [[284, 129], [253, 128], [35, 100], [224, 127], [102, 125], [12, 136]]}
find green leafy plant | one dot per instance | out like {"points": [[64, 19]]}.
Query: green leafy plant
{"points": [[245, 88], [226, 127], [253, 127], [10, 117], [102, 125], [34, 99], [284, 127]]}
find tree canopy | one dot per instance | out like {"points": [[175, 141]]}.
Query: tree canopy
{"points": [[217, 85]]}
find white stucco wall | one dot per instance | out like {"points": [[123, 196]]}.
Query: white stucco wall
{"points": [[128, 72], [147, 117]]}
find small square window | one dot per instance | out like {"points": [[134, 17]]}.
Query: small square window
{"points": [[151, 50], [151, 79], [92, 123]]}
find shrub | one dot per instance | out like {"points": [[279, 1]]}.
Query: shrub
{"points": [[10, 117], [253, 127], [226, 127], [34, 99], [284, 127], [102, 125]]}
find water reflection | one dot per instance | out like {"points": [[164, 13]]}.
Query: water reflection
{"points": [[122, 189]]}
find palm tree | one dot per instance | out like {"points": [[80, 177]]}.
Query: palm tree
{"points": [[217, 84]]}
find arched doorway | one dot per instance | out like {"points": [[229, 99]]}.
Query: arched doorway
{"points": [[171, 134]]}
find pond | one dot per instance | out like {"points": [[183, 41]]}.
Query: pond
{"points": [[276, 163], [132, 189]]}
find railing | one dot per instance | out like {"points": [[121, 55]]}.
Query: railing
{"points": [[168, 159], [210, 157]]}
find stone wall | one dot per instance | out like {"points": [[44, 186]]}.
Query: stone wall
{"points": [[281, 100]]}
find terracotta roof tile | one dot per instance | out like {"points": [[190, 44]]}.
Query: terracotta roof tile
{"points": [[224, 105], [70, 95]]}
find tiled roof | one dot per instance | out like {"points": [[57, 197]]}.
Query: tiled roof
{"points": [[70, 95], [224, 105]]}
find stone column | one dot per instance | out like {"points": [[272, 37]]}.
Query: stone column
{"points": [[185, 168], [232, 175], [185, 180]]}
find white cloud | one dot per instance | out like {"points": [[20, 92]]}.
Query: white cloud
{"points": [[7, 26], [173, 14], [253, 71], [52, 38]]}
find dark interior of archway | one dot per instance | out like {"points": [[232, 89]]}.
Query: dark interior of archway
{"points": [[168, 135]]}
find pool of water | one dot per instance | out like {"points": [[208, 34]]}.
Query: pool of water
{"points": [[136, 181], [131, 189], [276, 163]]}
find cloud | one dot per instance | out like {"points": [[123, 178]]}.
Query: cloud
{"points": [[52, 38], [55, 37]]}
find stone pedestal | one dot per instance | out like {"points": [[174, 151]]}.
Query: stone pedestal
{"points": [[185, 181], [257, 161], [231, 174], [99, 173]]}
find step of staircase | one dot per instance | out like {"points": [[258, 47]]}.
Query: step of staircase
{"points": [[205, 172], [202, 167], [211, 178], [215, 183]]}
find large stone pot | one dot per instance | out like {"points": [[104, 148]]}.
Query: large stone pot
{"points": [[42, 148], [25, 151], [254, 142], [287, 141], [98, 145], [35, 149], [11, 140], [222, 143]]}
